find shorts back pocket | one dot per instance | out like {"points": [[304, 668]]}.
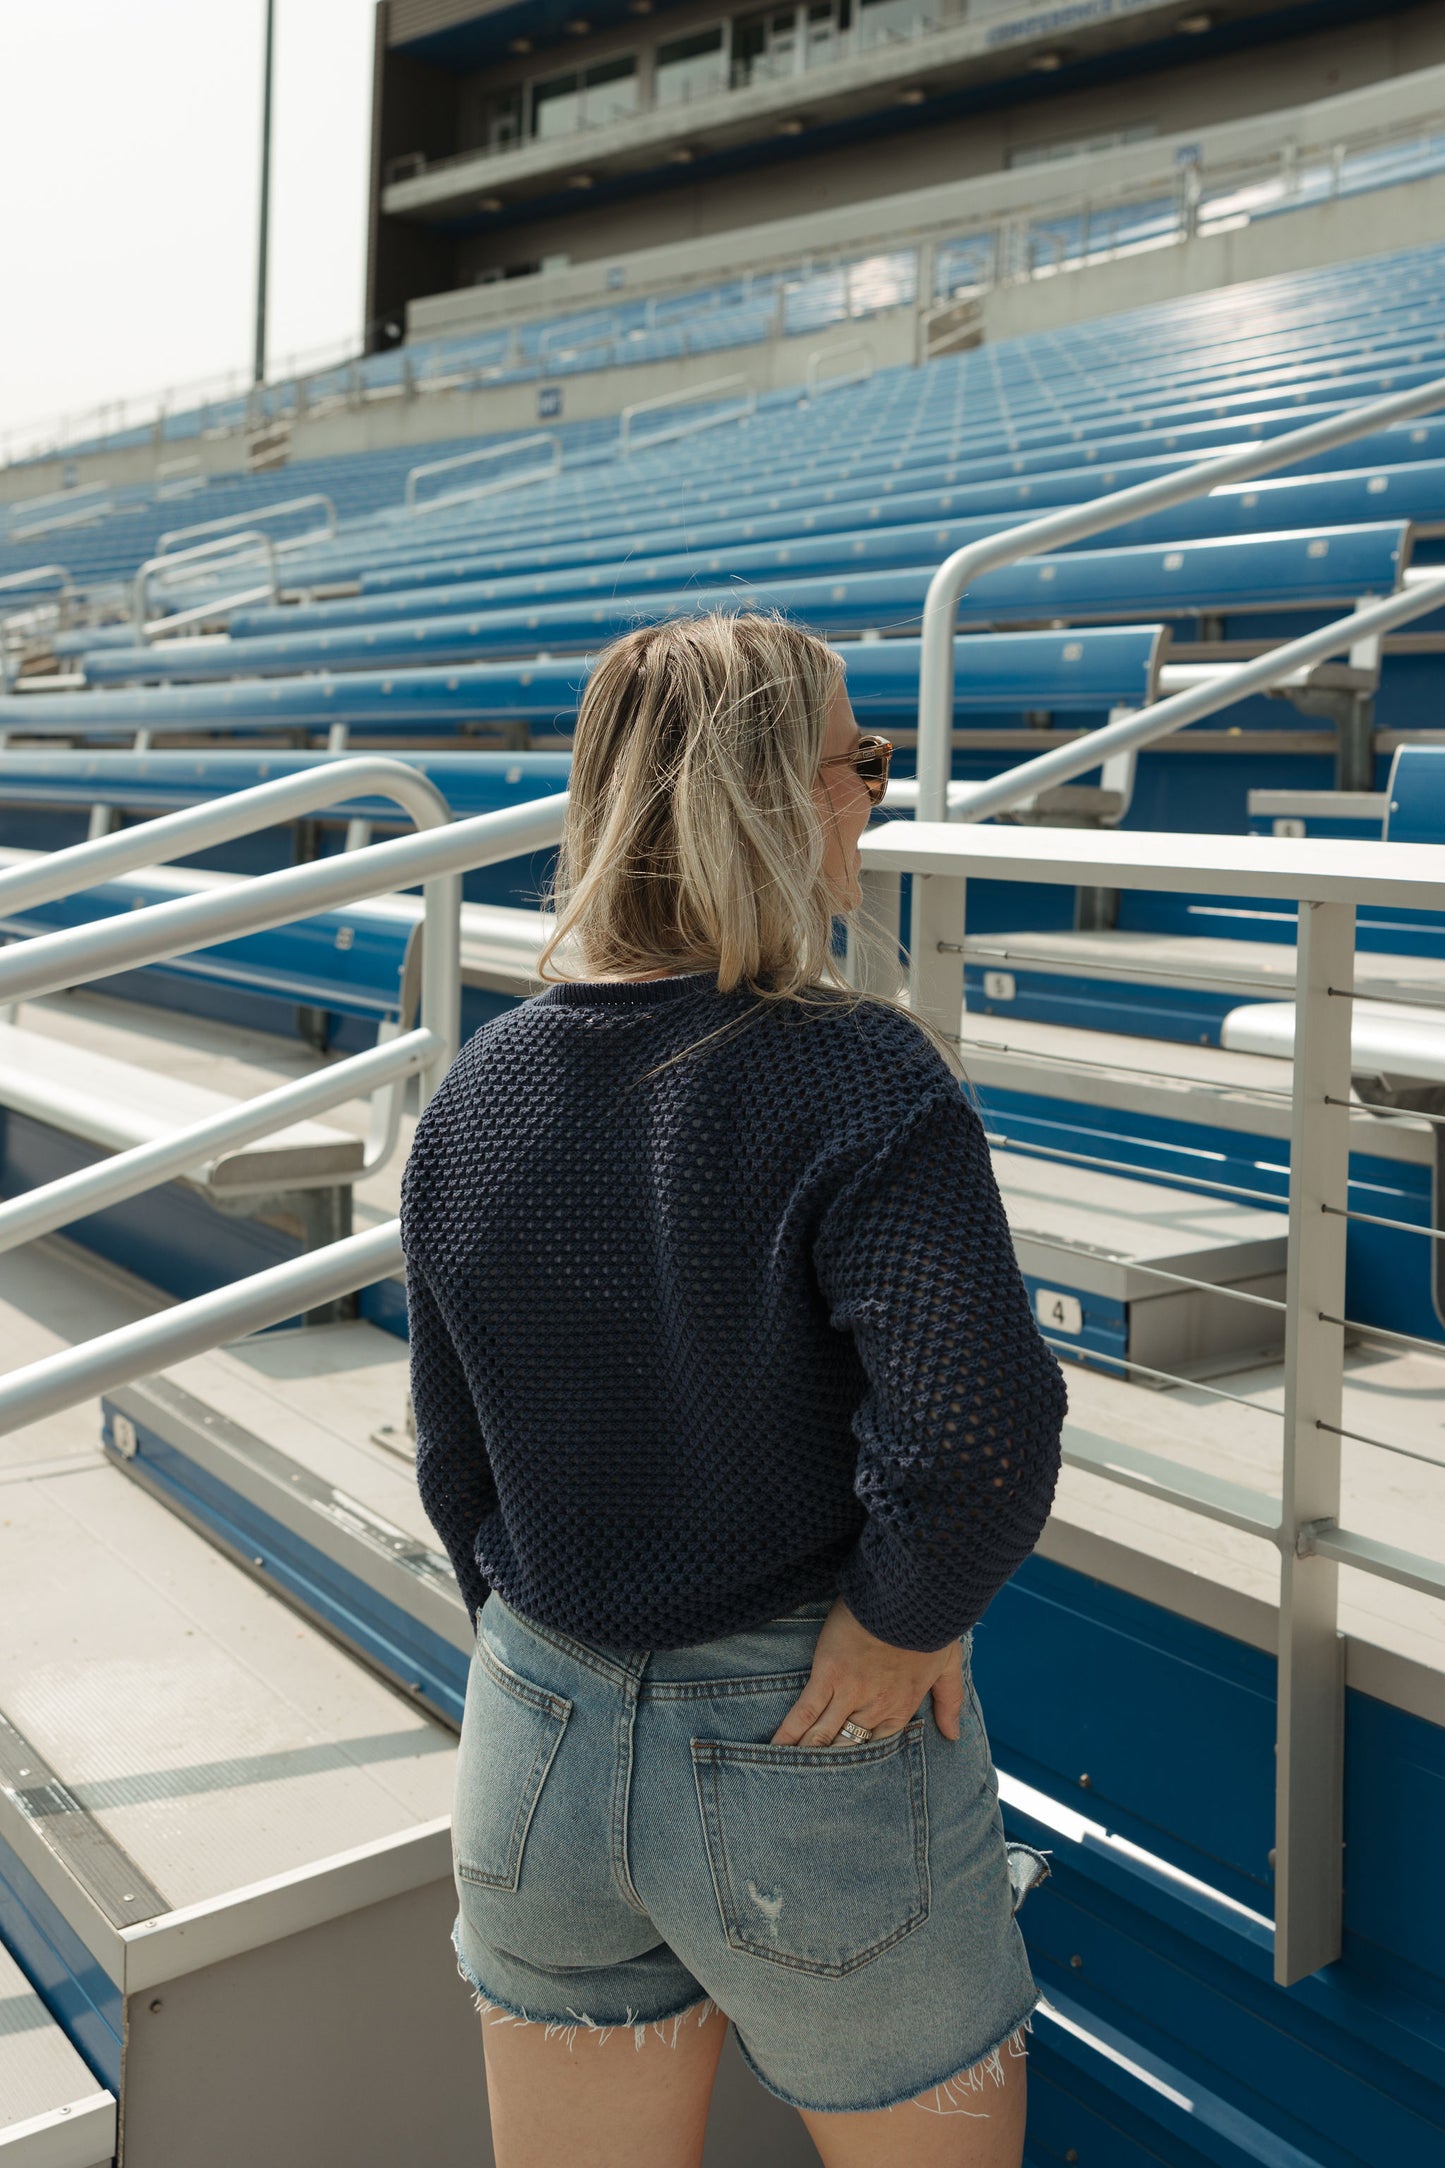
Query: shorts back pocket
{"points": [[511, 1731], [819, 1855]]}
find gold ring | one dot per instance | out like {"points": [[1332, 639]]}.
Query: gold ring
{"points": [[857, 1734]]}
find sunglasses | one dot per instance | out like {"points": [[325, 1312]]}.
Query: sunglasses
{"points": [[869, 759]]}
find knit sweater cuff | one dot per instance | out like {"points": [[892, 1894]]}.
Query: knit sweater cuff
{"points": [[907, 1618]]}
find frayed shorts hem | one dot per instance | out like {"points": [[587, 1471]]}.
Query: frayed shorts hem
{"points": [[572, 2022], [969, 2073]]}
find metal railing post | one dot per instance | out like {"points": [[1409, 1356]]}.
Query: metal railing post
{"points": [[935, 958], [1309, 1768], [441, 976]]}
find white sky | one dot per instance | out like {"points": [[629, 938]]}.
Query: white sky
{"points": [[130, 138]]}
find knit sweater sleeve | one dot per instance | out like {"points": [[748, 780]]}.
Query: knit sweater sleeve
{"points": [[453, 1473], [958, 1432]]}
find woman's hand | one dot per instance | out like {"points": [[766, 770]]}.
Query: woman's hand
{"points": [[858, 1678]]}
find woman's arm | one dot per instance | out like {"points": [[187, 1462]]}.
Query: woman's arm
{"points": [[958, 1432], [453, 1473]]}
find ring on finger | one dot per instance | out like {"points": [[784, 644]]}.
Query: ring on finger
{"points": [[855, 1734]]}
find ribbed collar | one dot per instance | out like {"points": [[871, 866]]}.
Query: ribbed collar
{"points": [[626, 993]]}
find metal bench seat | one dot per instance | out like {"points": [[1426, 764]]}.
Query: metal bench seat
{"points": [[1387, 1039], [150, 783], [114, 1105], [1094, 668], [1258, 572], [1410, 809], [1263, 969]]}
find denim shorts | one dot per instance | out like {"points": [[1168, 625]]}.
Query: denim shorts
{"points": [[628, 1846]]}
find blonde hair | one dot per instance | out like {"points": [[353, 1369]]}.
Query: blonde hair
{"points": [[692, 839]]}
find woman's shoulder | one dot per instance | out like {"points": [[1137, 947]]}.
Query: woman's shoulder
{"points": [[870, 1048]]}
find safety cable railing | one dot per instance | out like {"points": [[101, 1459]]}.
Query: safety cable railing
{"points": [[1325, 880]]}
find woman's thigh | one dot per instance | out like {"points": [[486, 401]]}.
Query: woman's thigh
{"points": [[598, 2099]]}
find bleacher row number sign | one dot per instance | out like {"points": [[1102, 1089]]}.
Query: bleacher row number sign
{"points": [[1057, 1312]]}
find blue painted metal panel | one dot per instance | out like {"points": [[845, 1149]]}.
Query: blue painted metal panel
{"points": [[996, 673], [1416, 810], [411, 1654], [1349, 2066], [84, 2001], [149, 783], [1190, 1015], [1105, 1330]]}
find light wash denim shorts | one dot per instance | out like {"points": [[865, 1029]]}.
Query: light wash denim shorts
{"points": [[628, 1847]]}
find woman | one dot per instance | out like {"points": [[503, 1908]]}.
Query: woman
{"points": [[733, 1417]]}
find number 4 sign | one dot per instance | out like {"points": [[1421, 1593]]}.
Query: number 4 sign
{"points": [[1056, 1312]]}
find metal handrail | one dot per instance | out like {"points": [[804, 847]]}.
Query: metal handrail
{"points": [[472, 459], [223, 547], [195, 828], [1074, 524], [49, 963], [202, 827], [627, 443], [235, 520], [33, 573], [817, 383], [189, 1328]]}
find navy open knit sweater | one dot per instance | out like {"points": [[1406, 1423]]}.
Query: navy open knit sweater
{"points": [[687, 1352]]}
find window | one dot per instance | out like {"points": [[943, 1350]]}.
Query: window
{"points": [[824, 22], [692, 67], [887, 22], [502, 120], [587, 98], [764, 46]]}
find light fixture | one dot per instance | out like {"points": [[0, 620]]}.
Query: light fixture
{"points": [[912, 97], [1046, 63], [639, 7], [790, 127], [580, 180], [1194, 26], [682, 156], [520, 45], [579, 26], [489, 203]]}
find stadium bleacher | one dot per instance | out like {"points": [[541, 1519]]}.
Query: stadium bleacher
{"points": [[1125, 1045]]}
